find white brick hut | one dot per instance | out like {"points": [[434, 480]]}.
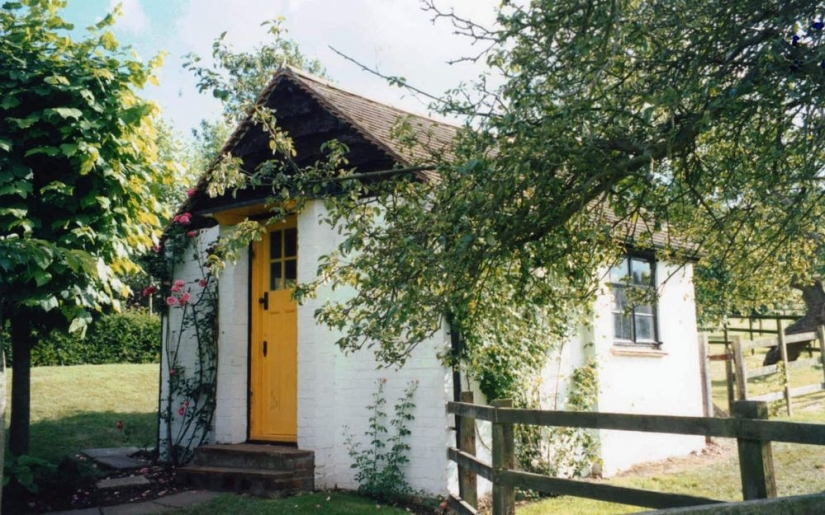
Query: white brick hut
{"points": [[280, 379]]}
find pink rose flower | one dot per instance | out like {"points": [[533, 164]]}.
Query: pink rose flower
{"points": [[184, 298], [192, 234], [190, 192], [202, 283], [181, 411], [149, 290], [183, 218], [171, 301]]}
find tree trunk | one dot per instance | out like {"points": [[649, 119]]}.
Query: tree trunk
{"points": [[814, 297], [21, 348], [2, 400]]}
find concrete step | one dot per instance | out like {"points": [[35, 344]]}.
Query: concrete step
{"points": [[255, 456], [260, 482]]}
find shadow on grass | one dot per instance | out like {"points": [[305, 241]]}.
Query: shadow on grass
{"points": [[54, 439]]}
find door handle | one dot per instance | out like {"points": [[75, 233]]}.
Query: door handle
{"points": [[264, 300], [264, 348]]}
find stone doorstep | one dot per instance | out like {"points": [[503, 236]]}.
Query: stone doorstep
{"points": [[188, 498], [118, 458], [109, 452], [169, 503], [122, 482]]}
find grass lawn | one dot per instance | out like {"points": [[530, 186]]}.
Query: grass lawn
{"points": [[800, 469], [79, 406], [328, 503]]}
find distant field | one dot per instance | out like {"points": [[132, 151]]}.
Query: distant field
{"points": [[79, 406]]}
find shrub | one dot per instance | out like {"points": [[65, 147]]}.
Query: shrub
{"points": [[129, 337], [381, 464]]}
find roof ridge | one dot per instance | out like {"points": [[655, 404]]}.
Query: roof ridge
{"points": [[326, 83]]}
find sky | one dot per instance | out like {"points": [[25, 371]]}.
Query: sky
{"points": [[396, 37]]}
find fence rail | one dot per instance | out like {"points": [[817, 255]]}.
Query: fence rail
{"points": [[737, 374], [742, 374], [753, 432]]}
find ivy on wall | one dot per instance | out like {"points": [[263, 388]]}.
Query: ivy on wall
{"points": [[560, 451]]}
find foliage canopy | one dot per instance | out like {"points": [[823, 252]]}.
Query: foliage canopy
{"points": [[77, 162], [612, 121], [80, 177]]}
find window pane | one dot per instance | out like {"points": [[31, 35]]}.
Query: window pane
{"points": [[290, 273], [641, 272], [645, 309], [275, 275], [275, 244], [644, 328], [290, 242], [621, 327], [618, 273], [619, 299]]}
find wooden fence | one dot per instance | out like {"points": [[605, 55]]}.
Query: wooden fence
{"points": [[754, 435], [743, 374]]}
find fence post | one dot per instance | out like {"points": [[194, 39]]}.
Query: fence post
{"points": [[729, 370], [820, 336], [755, 456], [504, 458], [741, 368], [704, 363], [467, 484], [783, 349]]}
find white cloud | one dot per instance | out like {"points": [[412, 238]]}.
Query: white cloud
{"points": [[134, 19]]}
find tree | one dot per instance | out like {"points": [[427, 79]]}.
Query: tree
{"points": [[237, 79], [611, 120], [79, 179]]}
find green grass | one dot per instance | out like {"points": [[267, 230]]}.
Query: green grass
{"points": [[78, 407], [328, 503], [800, 469]]}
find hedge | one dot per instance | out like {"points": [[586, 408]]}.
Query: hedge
{"points": [[129, 337]]}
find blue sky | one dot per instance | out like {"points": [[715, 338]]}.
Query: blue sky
{"points": [[395, 36]]}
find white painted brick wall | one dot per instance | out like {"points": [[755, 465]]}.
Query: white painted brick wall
{"points": [[186, 351], [233, 350], [334, 389], [665, 385]]}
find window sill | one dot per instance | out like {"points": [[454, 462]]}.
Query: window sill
{"points": [[641, 351]]}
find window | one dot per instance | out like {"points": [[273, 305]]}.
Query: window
{"points": [[634, 310]]}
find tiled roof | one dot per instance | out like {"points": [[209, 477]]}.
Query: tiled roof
{"points": [[375, 121], [640, 232], [378, 122]]}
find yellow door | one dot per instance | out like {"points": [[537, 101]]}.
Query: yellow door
{"points": [[273, 406]]}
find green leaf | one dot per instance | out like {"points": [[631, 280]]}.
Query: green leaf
{"points": [[65, 112], [41, 278], [5, 144], [69, 149], [9, 102], [49, 303], [14, 212], [49, 151], [20, 188], [25, 123], [56, 79]]}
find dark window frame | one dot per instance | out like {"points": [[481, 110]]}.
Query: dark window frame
{"points": [[629, 315]]}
